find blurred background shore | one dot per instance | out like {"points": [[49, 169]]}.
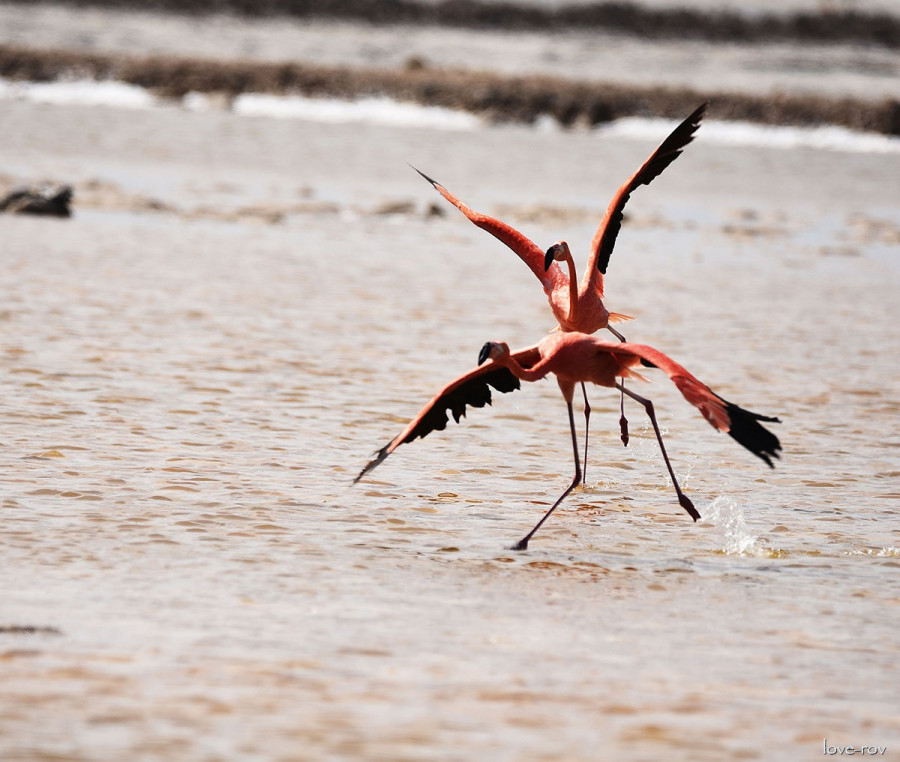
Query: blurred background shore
{"points": [[800, 63]]}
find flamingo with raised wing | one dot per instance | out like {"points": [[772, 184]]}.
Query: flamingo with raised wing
{"points": [[580, 307], [580, 358]]}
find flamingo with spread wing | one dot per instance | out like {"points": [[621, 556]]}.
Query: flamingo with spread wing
{"points": [[580, 358], [579, 306]]}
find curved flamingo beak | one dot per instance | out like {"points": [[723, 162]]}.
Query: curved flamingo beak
{"points": [[549, 257], [485, 353]]}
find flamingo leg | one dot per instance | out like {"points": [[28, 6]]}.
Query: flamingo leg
{"points": [[587, 421], [523, 543], [623, 421], [683, 500]]}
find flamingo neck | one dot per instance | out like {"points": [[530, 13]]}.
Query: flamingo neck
{"points": [[535, 373], [573, 290]]}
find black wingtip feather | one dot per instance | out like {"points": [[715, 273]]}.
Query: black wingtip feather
{"points": [[667, 151], [476, 392], [671, 148], [747, 431], [382, 454], [433, 182]]}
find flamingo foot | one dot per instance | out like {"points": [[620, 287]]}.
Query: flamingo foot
{"points": [[685, 502], [521, 544], [623, 427]]}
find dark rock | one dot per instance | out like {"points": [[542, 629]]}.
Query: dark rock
{"points": [[42, 198]]}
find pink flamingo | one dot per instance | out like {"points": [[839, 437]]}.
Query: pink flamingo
{"points": [[580, 307], [579, 358]]}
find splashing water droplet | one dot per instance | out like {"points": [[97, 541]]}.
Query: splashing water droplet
{"points": [[728, 516]]}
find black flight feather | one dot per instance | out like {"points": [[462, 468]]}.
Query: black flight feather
{"points": [[475, 392], [669, 150], [748, 432]]}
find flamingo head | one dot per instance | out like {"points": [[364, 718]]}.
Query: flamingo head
{"points": [[492, 350], [558, 251]]}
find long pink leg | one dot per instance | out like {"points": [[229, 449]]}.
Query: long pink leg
{"points": [[523, 543], [683, 500], [623, 421]]}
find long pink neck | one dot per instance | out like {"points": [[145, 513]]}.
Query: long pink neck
{"points": [[534, 373], [573, 290]]}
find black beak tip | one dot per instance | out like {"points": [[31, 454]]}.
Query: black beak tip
{"points": [[548, 257], [484, 353]]}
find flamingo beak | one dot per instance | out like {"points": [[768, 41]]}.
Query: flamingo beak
{"points": [[549, 257], [485, 353]]}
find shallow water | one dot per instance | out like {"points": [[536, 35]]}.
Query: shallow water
{"points": [[188, 391]]}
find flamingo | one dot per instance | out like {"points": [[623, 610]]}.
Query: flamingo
{"points": [[574, 358], [580, 307]]}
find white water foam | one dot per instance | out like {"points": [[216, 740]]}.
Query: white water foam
{"points": [[386, 111], [728, 517], [827, 138], [372, 110], [81, 92], [890, 552]]}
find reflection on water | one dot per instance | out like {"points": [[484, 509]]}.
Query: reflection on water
{"points": [[184, 405]]}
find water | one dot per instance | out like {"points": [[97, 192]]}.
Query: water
{"points": [[384, 111], [188, 391]]}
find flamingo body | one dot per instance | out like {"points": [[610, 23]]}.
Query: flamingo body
{"points": [[580, 358], [579, 306]]}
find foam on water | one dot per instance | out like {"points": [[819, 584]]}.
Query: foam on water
{"points": [[373, 110], [370, 110], [81, 92], [386, 111], [890, 552], [829, 137]]}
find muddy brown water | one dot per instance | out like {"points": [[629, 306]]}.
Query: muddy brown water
{"points": [[187, 395]]}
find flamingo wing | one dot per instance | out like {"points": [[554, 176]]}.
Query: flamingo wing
{"points": [[470, 389], [746, 430], [669, 150], [524, 247], [741, 425]]}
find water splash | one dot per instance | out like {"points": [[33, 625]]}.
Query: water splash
{"points": [[728, 516]]}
